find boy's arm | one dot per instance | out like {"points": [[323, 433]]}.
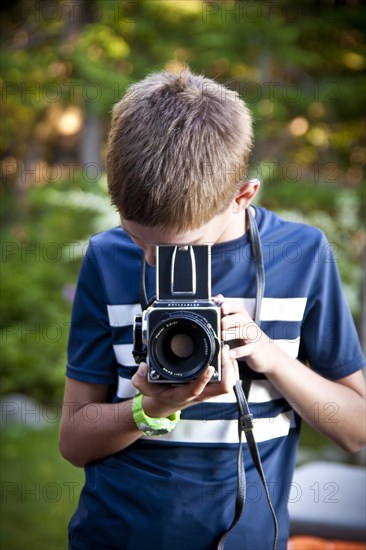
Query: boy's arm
{"points": [[92, 429], [335, 408]]}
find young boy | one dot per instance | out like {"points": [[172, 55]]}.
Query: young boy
{"points": [[177, 157]]}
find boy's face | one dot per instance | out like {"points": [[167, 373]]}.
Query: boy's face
{"points": [[224, 227]]}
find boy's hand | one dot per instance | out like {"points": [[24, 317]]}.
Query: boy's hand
{"points": [[250, 341], [162, 400]]}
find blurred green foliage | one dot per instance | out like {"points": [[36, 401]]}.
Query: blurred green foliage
{"points": [[41, 259], [300, 68]]}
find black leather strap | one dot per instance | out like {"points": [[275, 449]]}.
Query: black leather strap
{"points": [[256, 250], [245, 424], [143, 295]]}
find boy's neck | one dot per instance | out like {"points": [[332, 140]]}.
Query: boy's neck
{"points": [[236, 227]]}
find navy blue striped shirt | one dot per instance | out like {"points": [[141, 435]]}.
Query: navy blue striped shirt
{"points": [[178, 490]]}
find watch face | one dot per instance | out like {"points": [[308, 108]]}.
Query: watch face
{"points": [[148, 430]]}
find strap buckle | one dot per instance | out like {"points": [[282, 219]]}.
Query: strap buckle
{"points": [[246, 422]]}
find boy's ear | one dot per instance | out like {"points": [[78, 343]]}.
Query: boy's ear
{"points": [[246, 194]]}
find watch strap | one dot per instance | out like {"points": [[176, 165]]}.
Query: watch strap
{"points": [[149, 425]]}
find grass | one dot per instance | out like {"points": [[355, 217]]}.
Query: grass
{"points": [[40, 490]]}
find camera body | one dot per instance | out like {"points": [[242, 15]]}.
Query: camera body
{"points": [[179, 335]]}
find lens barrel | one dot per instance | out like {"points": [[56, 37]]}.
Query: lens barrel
{"points": [[183, 365]]}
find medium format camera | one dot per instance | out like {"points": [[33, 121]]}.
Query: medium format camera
{"points": [[179, 335]]}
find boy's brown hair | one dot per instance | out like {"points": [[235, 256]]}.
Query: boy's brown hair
{"points": [[178, 150]]}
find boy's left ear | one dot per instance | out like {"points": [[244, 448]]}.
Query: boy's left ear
{"points": [[246, 194]]}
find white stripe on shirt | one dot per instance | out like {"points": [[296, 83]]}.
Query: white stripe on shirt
{"points": [[261, 391], [291, 347], [125, 388], [123, 353], [226, 431], [122, 314], [273, 309]]}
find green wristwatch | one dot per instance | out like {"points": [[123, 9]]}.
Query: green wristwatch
{"points": [[152, 426]]}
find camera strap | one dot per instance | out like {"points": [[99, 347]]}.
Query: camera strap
{"points": [[241, 390], [256, 251], [143, 294]]}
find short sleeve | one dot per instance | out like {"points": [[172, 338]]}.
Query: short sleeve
{"points": [[90, 351], [329, 339]]}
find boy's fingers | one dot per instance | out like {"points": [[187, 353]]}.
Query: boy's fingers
{"points": [[236, 327], [230, 364], [219, 298], [196, 387], [242, 351], [186, 393], [230, 307], [182, 393], [139, 379]]}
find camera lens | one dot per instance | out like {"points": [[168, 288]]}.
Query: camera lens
{"points": [[182, 346]]}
